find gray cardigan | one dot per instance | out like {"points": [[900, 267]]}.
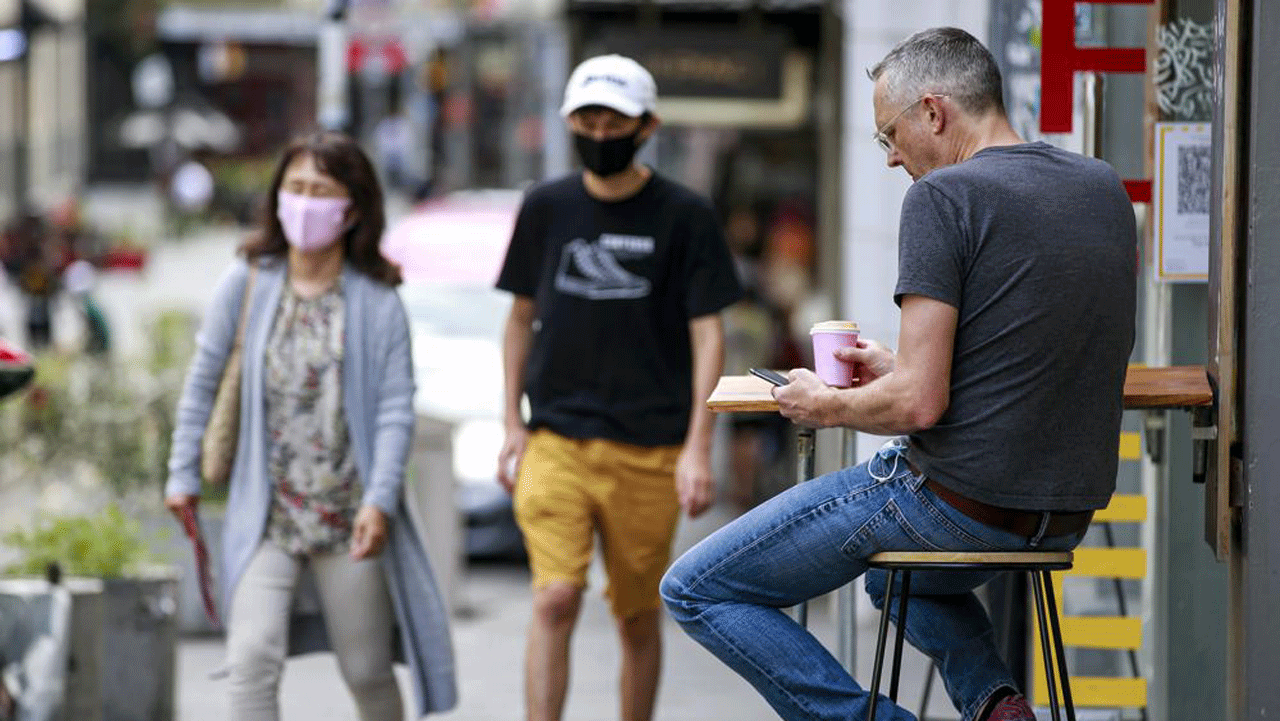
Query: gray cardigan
{"points": [[378, 401]]}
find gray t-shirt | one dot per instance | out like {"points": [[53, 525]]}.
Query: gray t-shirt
{"points": [[1037, 248]]}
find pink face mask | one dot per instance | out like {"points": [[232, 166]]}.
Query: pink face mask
{"points": [[311, 223]]}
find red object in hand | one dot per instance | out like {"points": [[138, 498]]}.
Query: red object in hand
{"points": [[192, 526]]}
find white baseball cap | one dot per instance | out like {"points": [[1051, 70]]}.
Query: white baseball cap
{"points": [[612, 81]]}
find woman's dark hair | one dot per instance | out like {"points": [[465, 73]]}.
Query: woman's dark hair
{"points": [[340, 157]]}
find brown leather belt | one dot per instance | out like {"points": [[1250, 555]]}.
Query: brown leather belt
{"points": [[1017, 522]]}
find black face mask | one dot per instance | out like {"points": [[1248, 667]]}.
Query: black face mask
{"points": [[607, 157]]}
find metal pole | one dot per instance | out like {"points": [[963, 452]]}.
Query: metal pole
{"points": [[332, 106], [846, 606], [554, 40], [30, 21], [804, 472], [804, 454], [22, 135]]}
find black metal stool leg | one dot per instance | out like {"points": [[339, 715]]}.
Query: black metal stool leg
{"points": [[903, 596], [1036, 566], [1038, 591], [1057, 640], [880, 640], [928, 690]]}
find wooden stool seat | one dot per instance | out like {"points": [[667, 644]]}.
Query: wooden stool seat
{"points": [[954, 560], [1036, 564]]}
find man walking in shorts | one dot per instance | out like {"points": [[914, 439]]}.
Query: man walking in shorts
{"points": [[619, 275]]}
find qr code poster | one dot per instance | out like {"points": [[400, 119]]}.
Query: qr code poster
{"points": [[1183, 157]]}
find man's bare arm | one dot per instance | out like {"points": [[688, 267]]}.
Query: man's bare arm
{"points": [[911, 397], [517, 339], [694, 482]]}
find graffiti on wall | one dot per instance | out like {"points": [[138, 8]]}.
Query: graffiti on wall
{"points": [[1184, 70]]}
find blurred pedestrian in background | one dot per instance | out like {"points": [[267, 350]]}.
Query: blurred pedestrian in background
{"points": [[787, 279], [392, 140], [46, 284], [78, 280], [31, 261], [325, 428], [615, 335], [756, 335]]}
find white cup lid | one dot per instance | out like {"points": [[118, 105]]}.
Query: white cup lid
{"points": [[834, 326]]}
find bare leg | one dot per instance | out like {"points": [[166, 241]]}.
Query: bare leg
{"points": [[641, 637], [546, 661]]}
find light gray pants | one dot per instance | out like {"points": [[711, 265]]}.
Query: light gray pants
{"points": [[357, 613]]}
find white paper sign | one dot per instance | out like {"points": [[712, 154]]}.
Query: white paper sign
{"points": [[1180, 200]]}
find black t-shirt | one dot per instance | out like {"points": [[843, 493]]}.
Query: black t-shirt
{"points": [[615, 285]]}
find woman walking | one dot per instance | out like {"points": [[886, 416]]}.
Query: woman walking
{"points": [[326, 418]]}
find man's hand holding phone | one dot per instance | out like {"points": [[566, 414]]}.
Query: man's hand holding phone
{"points": [[805, 399], [773, 377], [794, 398]]}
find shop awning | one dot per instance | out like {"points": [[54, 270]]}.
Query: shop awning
{"points": [[703, 5], [179, 23]]}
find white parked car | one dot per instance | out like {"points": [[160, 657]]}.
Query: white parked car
{"points": [[450, 251]]}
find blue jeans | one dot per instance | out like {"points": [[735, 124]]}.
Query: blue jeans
{"points": [[729, 591]]}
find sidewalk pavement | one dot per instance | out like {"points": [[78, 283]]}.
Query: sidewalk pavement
{"points": [[489, 643]]}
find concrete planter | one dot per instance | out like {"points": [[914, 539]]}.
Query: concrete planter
{"points": [[56, 667], [119, 647], [139, 648]]}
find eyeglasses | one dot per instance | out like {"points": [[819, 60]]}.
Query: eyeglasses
{"points": [[883, 140]]}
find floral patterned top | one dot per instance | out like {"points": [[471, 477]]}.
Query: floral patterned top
{"points": [[310, 463]]}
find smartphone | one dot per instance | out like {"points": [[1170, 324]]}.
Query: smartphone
{"points": [[773, 377]]}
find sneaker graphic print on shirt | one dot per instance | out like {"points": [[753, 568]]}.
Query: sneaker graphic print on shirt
{"points": [[594, 270]]}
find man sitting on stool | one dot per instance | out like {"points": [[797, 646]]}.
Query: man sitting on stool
{"points": [[1016, 283]]}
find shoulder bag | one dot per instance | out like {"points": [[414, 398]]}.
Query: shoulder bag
{"points": [[218, 447]]}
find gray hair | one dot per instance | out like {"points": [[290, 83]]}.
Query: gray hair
{"points": [[946, 61]]}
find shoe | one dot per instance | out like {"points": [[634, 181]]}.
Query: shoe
{"points": [[1012, 708]]}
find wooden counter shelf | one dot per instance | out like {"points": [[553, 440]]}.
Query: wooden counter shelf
{"points": [[1144, 389]]}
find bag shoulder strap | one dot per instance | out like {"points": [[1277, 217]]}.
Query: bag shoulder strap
{"points": [[244, 304]]}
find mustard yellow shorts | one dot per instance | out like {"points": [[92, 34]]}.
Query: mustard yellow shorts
{"points": [[568, 490]]}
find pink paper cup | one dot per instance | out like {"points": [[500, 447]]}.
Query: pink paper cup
{"points": [[827, 337]]}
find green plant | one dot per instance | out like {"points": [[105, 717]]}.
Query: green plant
{"points": [[114, 417], [45, 404], [107, 545]]}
